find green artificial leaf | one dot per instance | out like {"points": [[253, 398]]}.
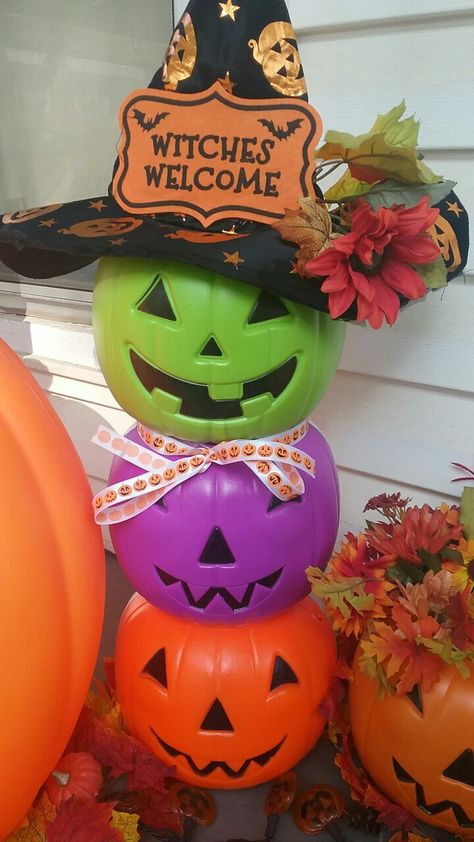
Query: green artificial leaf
{"points": [[341, 595], [390, 192], [369, 665], [433, 562], [467, 513], [347, 187], [449, 554], [388, 150], [449, 653], [434, 274], [397, 132], [377, 157], [404, 572]]}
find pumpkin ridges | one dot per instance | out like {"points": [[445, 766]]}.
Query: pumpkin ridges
{"points": [[78, 775], [51, 588]]}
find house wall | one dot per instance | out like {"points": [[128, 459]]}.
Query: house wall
{"points": [[401, 407]]}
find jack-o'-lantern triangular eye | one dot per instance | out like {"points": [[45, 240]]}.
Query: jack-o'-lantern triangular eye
{"points": [[156, 667], [156, 301], [267, 307], [416, 698], [276, 501], [282, 674]]}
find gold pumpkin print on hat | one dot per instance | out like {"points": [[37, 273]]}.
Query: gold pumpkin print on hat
{"points": [[281, 66], [25, 215], [181, 54], [103, 227], [442, 234]]}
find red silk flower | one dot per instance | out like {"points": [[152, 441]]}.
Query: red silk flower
{"points": [[373, 263]]}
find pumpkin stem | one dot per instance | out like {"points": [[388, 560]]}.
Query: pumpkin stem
{"points": [[62, 778]]}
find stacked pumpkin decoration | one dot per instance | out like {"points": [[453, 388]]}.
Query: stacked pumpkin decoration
{"points": [[232, 702], [222, 659]]}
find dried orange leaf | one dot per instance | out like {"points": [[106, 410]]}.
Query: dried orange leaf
{"points": [[309, 227]]}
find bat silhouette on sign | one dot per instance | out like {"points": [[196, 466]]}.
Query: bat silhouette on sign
{"points": [[148, 123], [278, 131]]}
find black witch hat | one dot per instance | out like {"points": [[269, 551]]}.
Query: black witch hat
{"points": [[249, 47]]}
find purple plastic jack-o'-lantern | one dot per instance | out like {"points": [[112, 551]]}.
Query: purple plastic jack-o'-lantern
{"points": [[221, 546]]}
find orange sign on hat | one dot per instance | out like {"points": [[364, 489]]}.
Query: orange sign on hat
{"points": [[212, 155]]}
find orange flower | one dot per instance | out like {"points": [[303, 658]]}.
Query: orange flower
{"points": [[421, 529], [355, 588]]}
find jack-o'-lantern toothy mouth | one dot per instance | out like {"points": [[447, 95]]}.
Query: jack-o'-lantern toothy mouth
{"points": [[260, 759], [438, 806], [227, 595], [196, 401]]}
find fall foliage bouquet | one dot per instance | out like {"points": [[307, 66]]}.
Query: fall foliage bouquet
{"points": [[370, 242], [400, 595]]}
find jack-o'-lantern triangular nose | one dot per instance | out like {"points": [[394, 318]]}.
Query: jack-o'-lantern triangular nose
{"points": [[216, 719], [217, 550], [211, 348]]}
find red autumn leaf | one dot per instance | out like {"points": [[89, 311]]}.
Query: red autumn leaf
{"points": [[120, 752], [330, 705], [352, 774], [155, 812], [390, 814], [148, 772], [85, 821], [459, 611]]}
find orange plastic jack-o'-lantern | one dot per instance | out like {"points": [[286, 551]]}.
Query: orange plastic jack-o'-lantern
{"points": [[419, 748], [51, 589], [229, 706]]}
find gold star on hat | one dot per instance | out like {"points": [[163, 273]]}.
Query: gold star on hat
{"points": [[228, 10], [227, 83], [98, 206], [454, 208], [234, 258]]}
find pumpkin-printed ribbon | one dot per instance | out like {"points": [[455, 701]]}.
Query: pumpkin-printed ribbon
{"points": [[275, 461]]}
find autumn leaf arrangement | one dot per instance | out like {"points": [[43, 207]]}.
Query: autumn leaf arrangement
{"points": [[366, 240], [400, 596], [107, 785]]}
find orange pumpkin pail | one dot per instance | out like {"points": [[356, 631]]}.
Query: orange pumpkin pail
{"points": [[228, 705], [419, 747]]}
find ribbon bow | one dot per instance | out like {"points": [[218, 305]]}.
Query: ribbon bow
{"points": [[276, 462]]}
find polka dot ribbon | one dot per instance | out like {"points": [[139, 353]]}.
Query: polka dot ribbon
{"points": [[276, 462]]}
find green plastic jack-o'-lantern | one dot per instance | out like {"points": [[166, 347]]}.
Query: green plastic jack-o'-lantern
{"points": [[193, 354], [419, 747]]}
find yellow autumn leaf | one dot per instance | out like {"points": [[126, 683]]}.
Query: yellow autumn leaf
{"points": [[347, 187], [128, 824], [309, 227], [32, 832], [397, 132], [388, 149], [33, 829], [373, 153]]}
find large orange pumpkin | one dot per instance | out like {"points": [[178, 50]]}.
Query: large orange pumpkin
{"points": [[51, 589], [419, 748], [228, 705]]}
